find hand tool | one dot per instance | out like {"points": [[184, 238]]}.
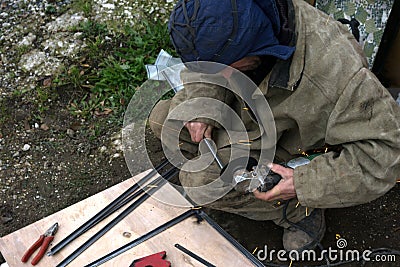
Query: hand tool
{"points": [[214, 153], [194, 256], [153, 260], [42, 243], [259, 176], [247, 175]]}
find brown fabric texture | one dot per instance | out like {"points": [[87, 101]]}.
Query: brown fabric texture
{"points": [[330, 97]]}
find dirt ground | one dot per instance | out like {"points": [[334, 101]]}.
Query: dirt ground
{"points": [[65, 164]]}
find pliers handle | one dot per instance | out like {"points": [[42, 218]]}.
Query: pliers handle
{"points": [[43, 243]]}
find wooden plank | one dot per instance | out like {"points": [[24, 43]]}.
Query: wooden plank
{"points": [[201, 238]]}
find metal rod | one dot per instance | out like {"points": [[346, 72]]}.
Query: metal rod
{"points": [[134, 195], [194, 256], [105, 212], [170, 173], [233, 241], [214, 153], [123, 203], [143, 238]]}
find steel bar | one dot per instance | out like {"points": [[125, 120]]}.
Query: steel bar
{"points": [[105, 212], [233, 241], [214, 153], [194, 256], [132, 197], [171, 173], [143, 238]]}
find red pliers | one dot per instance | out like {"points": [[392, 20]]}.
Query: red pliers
{"points": [[43, 242]]}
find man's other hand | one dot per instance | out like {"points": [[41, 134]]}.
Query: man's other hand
{"points": [[283, 190], [198, 130]]}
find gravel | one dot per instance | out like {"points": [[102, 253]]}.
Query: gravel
{"points": [[50, 161]]}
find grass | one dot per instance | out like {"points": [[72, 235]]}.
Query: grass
{"points": [[116, 68], [83, 6], [45, 95]]}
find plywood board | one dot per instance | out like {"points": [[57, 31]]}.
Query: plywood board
{"points": [[201, 238]]}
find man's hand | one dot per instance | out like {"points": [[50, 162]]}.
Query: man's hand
{"points": [[198, 130], [283, 190]]}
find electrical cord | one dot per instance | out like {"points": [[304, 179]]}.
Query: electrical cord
{"points": [[374, 252]]}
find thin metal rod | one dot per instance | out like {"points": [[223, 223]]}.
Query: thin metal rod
{"points": [[123, 203], [233, 241], [133, 196], [105, 212], [143, 238], [194, 256], [170, 173], [214, 153]]}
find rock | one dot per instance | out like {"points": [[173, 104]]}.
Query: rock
{"points": [[47, 82], [26, 147], [103, 149], [70, 133], [16, 154], [109, 6], [44, 127], [5, 219], [27, 40], [39, 63], [64, 22], [116, 136], [126, 234]]}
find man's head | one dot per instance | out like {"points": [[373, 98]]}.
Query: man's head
{"points": [[226, 31]]}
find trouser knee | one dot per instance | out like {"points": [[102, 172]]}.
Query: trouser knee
{"points": [[158, 116]]}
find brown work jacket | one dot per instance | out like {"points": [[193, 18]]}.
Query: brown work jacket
{"points": [[325, 95]]}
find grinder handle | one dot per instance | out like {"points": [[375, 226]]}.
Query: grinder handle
{"points": [[270, 181]]}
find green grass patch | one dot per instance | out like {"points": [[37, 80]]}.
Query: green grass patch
{"points": [[84, 6], [113, 67]]}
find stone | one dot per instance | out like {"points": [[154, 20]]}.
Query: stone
{"points": [[26, 147]]}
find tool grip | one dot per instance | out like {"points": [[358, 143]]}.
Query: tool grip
{"points": [[270, 181], [42, 250], [32, 249]]}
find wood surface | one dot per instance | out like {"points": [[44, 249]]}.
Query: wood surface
{"points": [[200, 238]]}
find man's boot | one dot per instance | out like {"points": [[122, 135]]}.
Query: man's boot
{"points": [[296, 239]]}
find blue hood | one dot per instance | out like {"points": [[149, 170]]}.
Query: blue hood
{"points": [[225, 31]]}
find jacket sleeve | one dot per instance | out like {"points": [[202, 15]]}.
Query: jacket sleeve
{"points": [[366, 122], [205, 86]]}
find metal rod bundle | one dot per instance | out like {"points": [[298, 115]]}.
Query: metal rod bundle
{"points": [[143, 238], [108, 210], [159, 182]]}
